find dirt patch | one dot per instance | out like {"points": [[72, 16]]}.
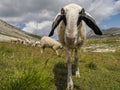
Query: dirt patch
{"points": [[98, 48]]}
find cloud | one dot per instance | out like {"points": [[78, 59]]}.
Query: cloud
{"points": [[37, 15], [104, 9], [38, 28]]}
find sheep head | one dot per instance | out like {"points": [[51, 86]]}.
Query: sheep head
{"points": [[72, 15]]}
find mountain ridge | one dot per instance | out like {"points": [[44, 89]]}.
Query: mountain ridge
{"points": [[113, 31], [14, 32]]}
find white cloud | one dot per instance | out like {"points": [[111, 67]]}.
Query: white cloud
{"points": [[38, 28], [103, 9], [30, 27], [44, 24]]}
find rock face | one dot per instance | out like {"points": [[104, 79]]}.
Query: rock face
{"points": [[106, 33], [8, 32]]}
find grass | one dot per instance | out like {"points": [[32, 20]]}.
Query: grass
{"points": [[28, 80], [25, 68]]}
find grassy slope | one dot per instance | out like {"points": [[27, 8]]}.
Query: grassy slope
{"points": [[25, 68]]}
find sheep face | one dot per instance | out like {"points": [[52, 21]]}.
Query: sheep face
{"points": [[71, 17], [71, 14]]}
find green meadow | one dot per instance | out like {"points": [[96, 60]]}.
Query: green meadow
{"points": [[25, 68]]}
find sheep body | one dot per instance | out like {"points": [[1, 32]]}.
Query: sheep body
{"points": [[47, 42]]}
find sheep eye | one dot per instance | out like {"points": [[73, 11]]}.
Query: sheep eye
{"points": [[62, 11]]}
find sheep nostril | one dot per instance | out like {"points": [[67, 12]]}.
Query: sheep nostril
{"points": [[70, 40]]}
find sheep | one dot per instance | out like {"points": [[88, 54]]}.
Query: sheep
{"points": [[37, 44], [71, 24], [14, 41], [29, 42], [47, 42]]}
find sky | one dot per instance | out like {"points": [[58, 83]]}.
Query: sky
{"points": [[36, 16]]}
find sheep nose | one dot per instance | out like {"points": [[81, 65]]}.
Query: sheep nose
{"points": [[70, 40]]}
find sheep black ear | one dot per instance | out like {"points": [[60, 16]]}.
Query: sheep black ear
{"points": [[81, 13], [92, 24], [58, 19], [63, 16], [89, 21], [55, 24]]}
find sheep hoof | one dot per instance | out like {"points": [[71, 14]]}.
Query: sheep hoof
{"points": [[69, 87], [59, 55], [77, 74]]}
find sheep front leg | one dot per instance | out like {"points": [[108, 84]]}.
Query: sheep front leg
{"points": [[77, 73], [69, 77], [42, 49], [57, 52]]}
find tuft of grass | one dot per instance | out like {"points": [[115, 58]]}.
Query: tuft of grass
{"points": [[29, 80], [92, 66], [113, 68]]}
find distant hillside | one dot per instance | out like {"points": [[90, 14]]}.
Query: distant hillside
{"points": [[8, 31], [106, 33]]}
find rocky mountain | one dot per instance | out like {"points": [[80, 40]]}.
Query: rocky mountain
{"points": [[106, 33], [8, 32]]}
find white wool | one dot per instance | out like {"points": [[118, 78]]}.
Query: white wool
{"points": [[47, 42]]}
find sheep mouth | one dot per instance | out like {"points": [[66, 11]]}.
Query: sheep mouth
{"points": [[70, 46], [70, 40]]}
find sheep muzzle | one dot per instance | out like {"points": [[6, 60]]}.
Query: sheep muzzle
{"points": [[70, 40]]}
